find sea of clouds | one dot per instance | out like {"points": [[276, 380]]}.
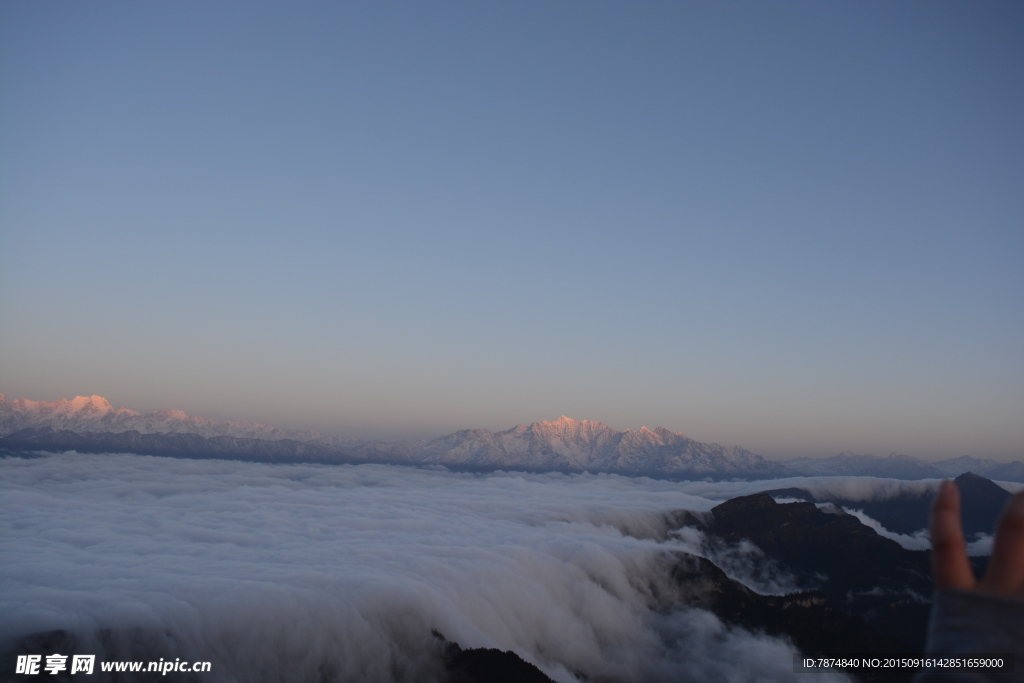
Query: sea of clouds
{"points": [[310, 572]]}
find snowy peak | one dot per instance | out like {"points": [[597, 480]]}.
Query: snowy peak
{"points": [[669, 436], [168, 414], [567, 425], [568, 428], [583, 445], [643, 435], [94, 414], [90, 404], [80, 407]]}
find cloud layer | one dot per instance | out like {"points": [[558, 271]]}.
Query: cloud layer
{"points": [[305, 569]]}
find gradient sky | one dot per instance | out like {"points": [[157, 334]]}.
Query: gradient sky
{"points": [[795, 227]]}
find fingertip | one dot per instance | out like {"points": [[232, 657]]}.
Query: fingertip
{"points": [[950, 566], [1006, 566], [945, 509], [947, 494]]}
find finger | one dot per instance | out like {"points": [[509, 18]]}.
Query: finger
{"points": [[1005, 573], [950, 568]]}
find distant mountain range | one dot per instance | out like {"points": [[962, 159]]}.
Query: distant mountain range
{"points": [[91, 424], [904, 467], [94, 414]]}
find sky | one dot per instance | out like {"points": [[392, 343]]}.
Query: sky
{"points": [[794, 227]]}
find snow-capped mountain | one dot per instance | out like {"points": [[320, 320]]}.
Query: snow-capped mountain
{"points": [[90, 423], [583, 445], [94, 414], [858, 465]]}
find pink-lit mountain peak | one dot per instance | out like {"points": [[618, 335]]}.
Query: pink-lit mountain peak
{"points": [[96, 407], [90, 404], [79, 407], [574, 434], [171, 414], [567, 430], [567, 424], [91, 414]]}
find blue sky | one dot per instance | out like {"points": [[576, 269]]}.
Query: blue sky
{"points": [[794, 226]]}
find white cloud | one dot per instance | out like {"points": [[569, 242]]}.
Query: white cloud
{"points": [[743, 562], [1012, 486], [868, 488], [979, 544], [915, 541], [305, 568], [848, 488]]}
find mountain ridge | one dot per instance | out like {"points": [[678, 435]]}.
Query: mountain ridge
{"points": [[91, 423], [95, 414], [565, 445]]}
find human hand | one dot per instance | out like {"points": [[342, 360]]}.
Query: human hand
{"points": [[950, 567]]}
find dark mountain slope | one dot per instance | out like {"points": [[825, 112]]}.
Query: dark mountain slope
{"points": [[981, 500], [857, 571]]}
